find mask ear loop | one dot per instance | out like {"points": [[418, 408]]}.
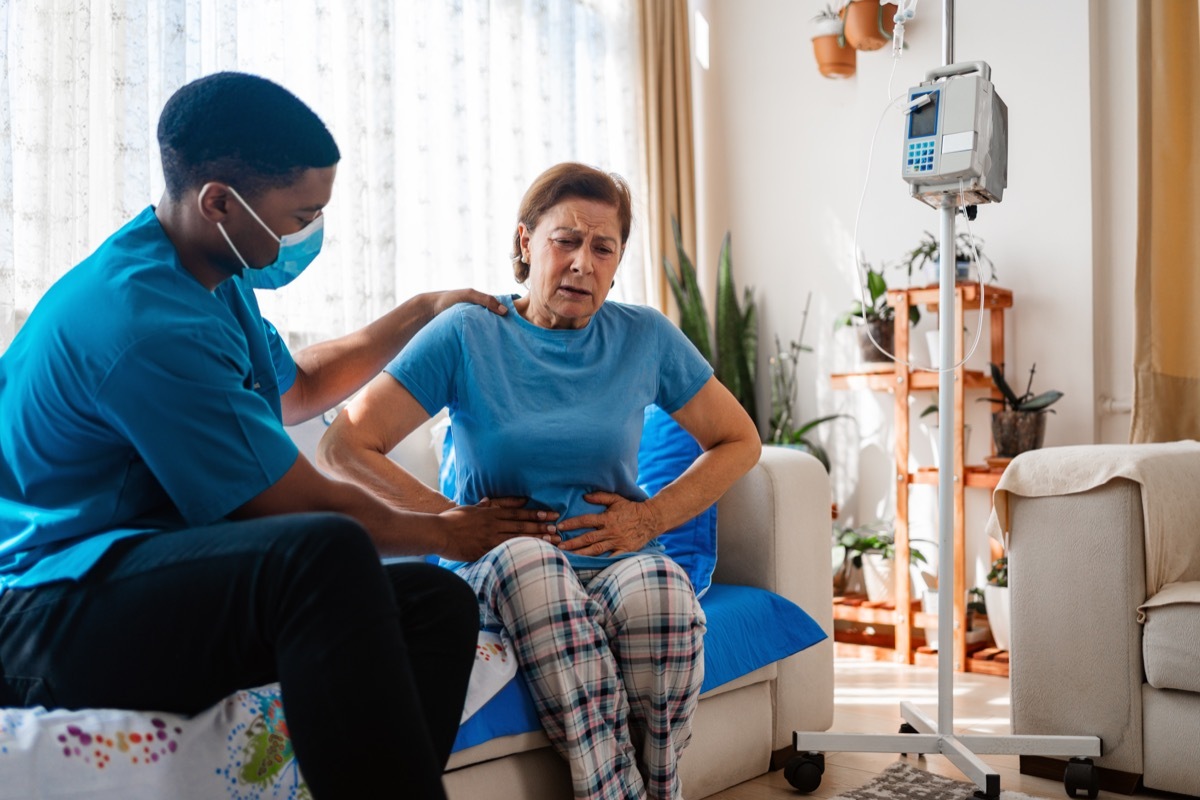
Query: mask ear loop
{"points": [[221, 226], [257, 218]]}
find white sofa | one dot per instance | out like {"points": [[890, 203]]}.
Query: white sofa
{"points": [[1081, 662], [774, 530], [773, 533]]}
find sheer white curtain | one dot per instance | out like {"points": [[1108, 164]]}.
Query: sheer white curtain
{"points": [[444, 112]]}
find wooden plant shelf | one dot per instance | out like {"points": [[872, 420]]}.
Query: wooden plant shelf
{"points": [[879, 631], [980, 658]]}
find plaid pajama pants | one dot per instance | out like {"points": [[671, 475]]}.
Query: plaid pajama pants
{"points": [[613, 658]]}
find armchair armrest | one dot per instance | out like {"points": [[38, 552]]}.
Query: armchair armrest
{"points": [[1076, 577], [773, 529]]}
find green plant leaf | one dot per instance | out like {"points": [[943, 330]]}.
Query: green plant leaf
{"points": [[737, 334], [1043, 400], [1010, 396], [813, 423], [693, 316], [876, 285]]}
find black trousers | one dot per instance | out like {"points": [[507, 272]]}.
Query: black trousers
{"points": [[372, 661]]}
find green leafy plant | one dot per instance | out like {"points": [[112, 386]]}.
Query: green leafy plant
{"points": [[998, 576], [736, 353], [878, 310], [784, 429], [737, 334], [872, 538], [1026, 402], [693, 315], [928, 248], [964, 243], [975, 601]]}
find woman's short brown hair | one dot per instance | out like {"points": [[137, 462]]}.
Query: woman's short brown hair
{"points": [[562, 182]]}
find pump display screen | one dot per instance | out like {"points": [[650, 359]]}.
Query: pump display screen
{"points": [[923, 121]]}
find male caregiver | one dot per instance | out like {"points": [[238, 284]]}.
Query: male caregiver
{"points": [[163, 543]]}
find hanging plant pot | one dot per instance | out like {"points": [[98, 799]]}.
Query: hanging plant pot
{"points": [[835, 58], [1018, 431], [868, 23], [884, 333]]}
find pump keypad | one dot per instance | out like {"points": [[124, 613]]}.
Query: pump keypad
{"points": [[920, 156]]}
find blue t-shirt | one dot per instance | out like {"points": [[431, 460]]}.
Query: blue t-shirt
{"points": [[133, 400], [550, 414]]}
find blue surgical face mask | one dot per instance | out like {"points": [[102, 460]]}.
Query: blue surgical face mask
{"points": [[296, 251]]}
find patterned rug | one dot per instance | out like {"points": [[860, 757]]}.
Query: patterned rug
{"points": [[901, 781]]}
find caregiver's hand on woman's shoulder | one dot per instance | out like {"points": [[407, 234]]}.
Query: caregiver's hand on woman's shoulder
{"points": [[625, 527], [442, 300], [471, 531]]}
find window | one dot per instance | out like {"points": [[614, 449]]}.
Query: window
{"points": [[444, 112]]}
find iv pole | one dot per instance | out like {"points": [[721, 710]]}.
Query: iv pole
{"points": [[938, 736]]}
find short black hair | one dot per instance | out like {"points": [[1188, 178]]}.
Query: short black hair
{"points": [[242, 130]]}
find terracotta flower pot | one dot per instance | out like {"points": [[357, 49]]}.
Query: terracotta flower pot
{"points": [[834, 60], [884, 334], [868, 24], [1017, 431]]}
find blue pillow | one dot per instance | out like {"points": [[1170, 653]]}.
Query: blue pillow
{"points": [[665, 452]]}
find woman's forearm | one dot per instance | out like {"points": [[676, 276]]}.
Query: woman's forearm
{"points": [[702, 484]]}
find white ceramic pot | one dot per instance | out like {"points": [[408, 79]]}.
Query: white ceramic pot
{"points": [[877, 573], [996, 600]]}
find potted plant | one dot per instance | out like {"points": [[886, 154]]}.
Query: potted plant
{"points": [[869, 23], [872, 549], [1020, 424], [995, 598], [923, 258], [736, 353], [878, 317], [785, 431], [835, 58]]}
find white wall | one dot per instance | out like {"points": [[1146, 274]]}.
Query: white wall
{"points": [[782, 159]]}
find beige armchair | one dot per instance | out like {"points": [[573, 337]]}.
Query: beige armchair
{"points": [[1105, 589]]}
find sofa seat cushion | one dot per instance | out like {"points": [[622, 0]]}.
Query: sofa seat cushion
{"points": [[748, 628], [1171, 637]]}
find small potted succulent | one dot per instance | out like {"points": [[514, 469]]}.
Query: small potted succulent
{"points": [[878, 317], [1020, 423], [835, 58], [869, 23]]}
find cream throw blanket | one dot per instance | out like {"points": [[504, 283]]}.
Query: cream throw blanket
{"points": [[1169, 476]]}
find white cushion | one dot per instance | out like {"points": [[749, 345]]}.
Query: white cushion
{"points": [[1171, 637]]}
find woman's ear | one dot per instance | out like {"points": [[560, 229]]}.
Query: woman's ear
{"points": [[524, 234]]}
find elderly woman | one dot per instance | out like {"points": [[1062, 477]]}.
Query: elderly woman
{"points": [[546, 404]]}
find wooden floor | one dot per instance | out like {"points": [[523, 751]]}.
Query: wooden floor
{"points": [[867, 700]]}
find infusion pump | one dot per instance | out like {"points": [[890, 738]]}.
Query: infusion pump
{"points": [[956, 137]]}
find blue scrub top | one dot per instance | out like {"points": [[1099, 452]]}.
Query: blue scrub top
{"points": [[134, 400], [550, 414]]}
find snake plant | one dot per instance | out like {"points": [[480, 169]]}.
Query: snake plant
{"points": [[735, 355]]}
